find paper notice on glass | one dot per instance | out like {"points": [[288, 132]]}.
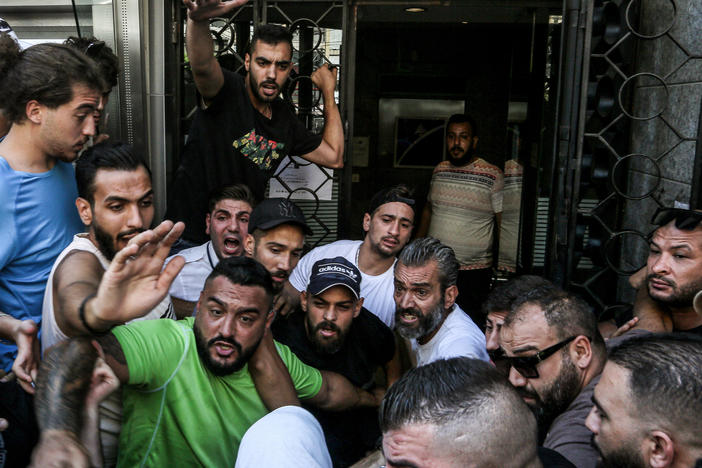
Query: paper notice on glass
{"points": [[303, 178]]}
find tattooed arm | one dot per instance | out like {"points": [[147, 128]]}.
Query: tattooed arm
{"points": [[62, 387]]}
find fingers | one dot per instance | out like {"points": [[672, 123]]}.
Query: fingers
{"points": [[171, 237], [169, 273]]}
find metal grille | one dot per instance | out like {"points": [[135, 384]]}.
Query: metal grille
{"points": [[629, 161]]}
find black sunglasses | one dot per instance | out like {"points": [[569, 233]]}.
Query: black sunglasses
{"points": [[685, 220], [526, 365]]}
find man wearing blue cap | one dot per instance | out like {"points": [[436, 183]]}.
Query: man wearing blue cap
{"points": [[336, 333]]}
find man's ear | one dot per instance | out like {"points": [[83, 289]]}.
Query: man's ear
{"points": [[207, 224], [450, 296], [366, 222], [247, 61], [475, 142], [249, 244], [270, 317], [84, 211], [34, 112], [358, 307], [303, 301], [581, 352], [659, 450]]}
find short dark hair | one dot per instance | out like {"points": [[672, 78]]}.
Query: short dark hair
{"points": [[665, 380], [244, 271], [459, 396], [397, 193], [239, 192], [421, 251], [566, 313], [110, 156], [45, 73], [463, 118], [501, 298], [271, 34], [107, 61]]}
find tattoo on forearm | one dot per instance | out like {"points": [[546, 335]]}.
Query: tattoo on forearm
{"points": [[63, 383]]}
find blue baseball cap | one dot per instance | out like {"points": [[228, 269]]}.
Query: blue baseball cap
{"points": [[330, 272]]}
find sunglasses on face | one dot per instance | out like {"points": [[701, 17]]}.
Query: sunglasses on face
{"points": [[685, 220], [526, 365]]}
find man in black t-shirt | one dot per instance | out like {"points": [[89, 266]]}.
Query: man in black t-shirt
{"points": [[335, 333], [243, 130]]}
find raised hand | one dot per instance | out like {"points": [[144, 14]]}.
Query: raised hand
{"points": [[136, 281], [201, 10], [325, 78]]}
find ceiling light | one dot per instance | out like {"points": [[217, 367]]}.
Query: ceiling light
{"points": [[464, 22], [415, 9]]}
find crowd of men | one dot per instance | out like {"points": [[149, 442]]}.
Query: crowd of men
{"points": [[215, 340]]}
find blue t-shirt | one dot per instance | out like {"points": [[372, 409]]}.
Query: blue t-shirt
{"points": [[38, 218]]}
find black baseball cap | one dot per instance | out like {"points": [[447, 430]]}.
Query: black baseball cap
{"points": [[330, 272], [273, 212]]}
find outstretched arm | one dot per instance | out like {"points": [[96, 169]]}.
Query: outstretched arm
{"points": [[338, 394], [206, 70], [271, 376], [63, 386], [330, 153]]}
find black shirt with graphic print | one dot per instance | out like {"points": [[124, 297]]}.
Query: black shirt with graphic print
{"points": [[231, 142]]}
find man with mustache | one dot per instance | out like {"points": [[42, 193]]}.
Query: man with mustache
{"points": [[336, 333], [647, 407], [227, 224], [243, 130], [115, 202], [673, 273], [556, 353], [426, 311], [464, 210], [188, 386], [388, 226]]}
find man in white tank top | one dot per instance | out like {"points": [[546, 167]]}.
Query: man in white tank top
{"points": [[115, 202]]}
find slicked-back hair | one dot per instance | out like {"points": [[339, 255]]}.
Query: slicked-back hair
{"points": [[109, 156], [238, 192], [107, 61], [271, 34], [45, 73], [421, 251], [566, 314], [501, 298], [665, 381], [463, 118], [244, 271], [462, 397]]}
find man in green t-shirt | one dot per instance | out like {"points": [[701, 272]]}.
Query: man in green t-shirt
{"points": [[188, 391]]}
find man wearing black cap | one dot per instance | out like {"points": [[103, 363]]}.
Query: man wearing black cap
{"points": [[336, 333], [277, 230], [388, 226]]}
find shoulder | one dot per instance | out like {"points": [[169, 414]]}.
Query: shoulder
{"points": [[370, 325], [484, 166], [193, 254]]}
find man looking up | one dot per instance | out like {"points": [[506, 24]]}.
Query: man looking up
{"points": [[388, 225], [188, 391], [243, 130], [227, 224], [49, 93], [647, 407], [464, 210], [336, 333], [115, 203], [426, 310], [457, 413], [556, 354]]}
